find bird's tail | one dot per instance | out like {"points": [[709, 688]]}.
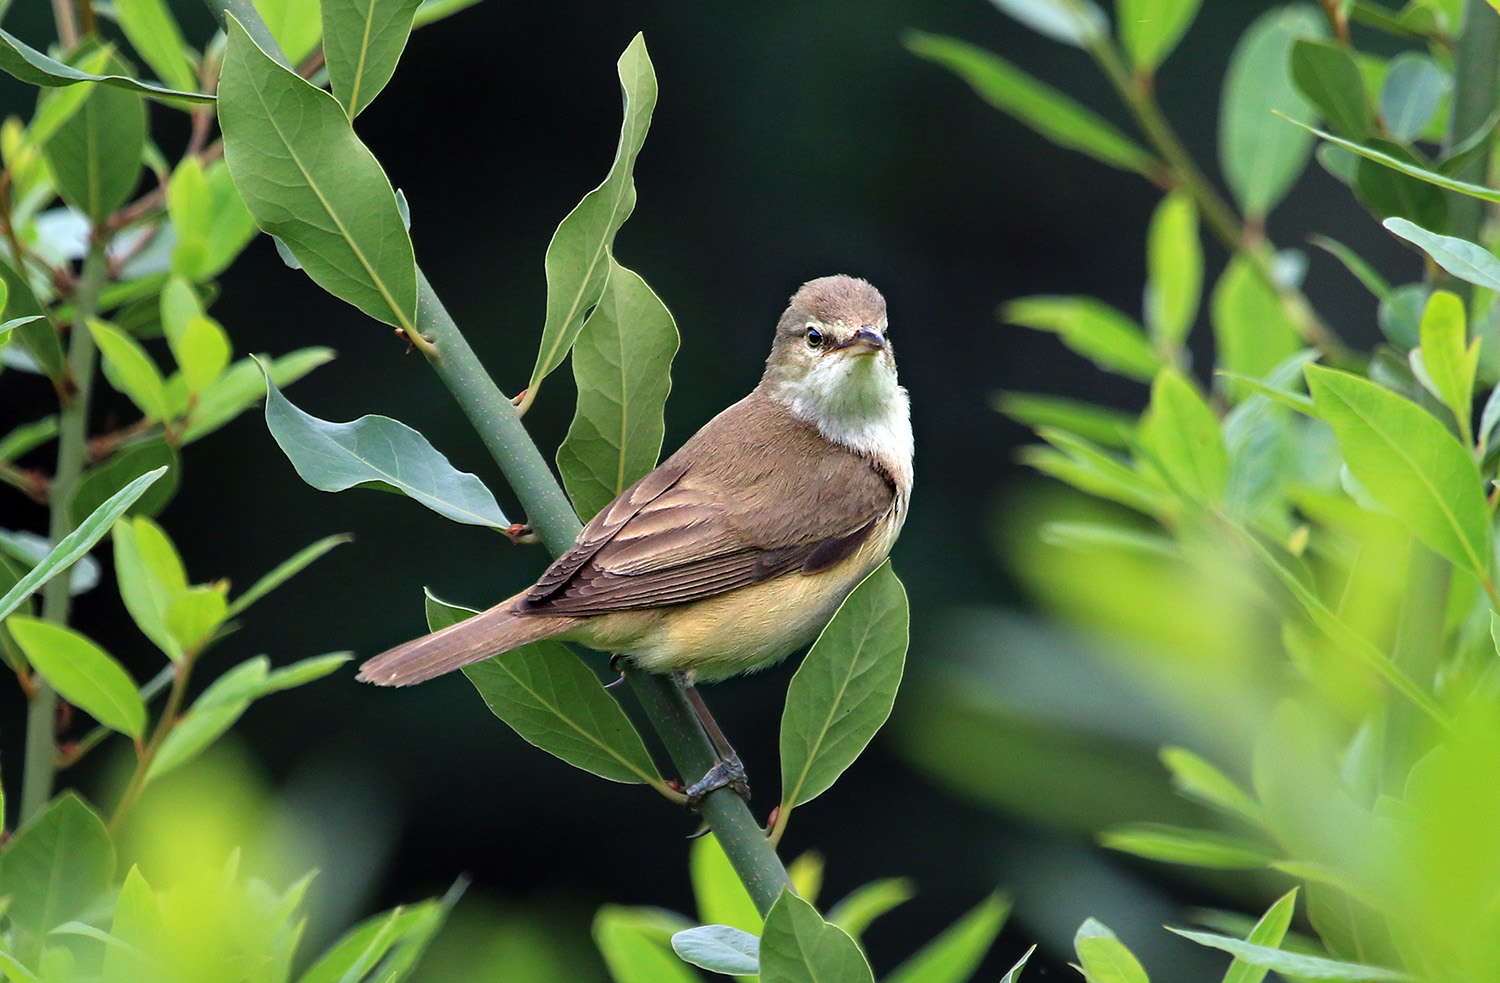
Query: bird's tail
{"points": [[485, 634]]}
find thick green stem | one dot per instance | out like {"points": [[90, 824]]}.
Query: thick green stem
{"points": [[551, 516], [72, 454], [1474, 90]]}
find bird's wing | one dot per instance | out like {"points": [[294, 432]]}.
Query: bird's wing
{"points": [[704, 523]]}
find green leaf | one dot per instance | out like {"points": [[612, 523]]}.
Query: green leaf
{"points": [[95, 157], [77, 542], [1013, 975], [719, 949], [150, 575], [579, 254], [363, 40], [104, 480], [1355, 264], [1032, 102], [1104, 957], [1269, 931], [294, 24], [1464, 259], [1327, 75], [242, 385], [303, 671], [1405, 167], [844, 689], [137, 924], [436, 10], [309, 181], [155, 36], [1414, 87], [56, 867], [1410, 463], [1390, 194], [1197, 779], [130, 370], [1098, 473], [39, 337], [633, 950], [1100, 424], [31, 66], [28, 437], [82, 673], [798, 946], [1150, 29], [953, 956], [194, 616], [721, 895], [390, 942], [202, 352], [211, 715], [1178, 845], [378, 452], [1174, 267], [1450, 362], [231, 226], [1252, 333], [1076, 22], [622, 361], [1093, 329], [1181, 434], [286, 570], [18, 973], [866, 903], [190, 207], [1260, 155], [1293, 964]]}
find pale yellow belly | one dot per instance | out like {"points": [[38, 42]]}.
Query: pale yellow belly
{"points": [[743, 629]]}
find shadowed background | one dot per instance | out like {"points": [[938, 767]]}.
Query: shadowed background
{"points": [[791, 140]]}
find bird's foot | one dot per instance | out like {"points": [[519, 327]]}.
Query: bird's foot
{"points": [[617, 664], [727, 772], [521, 532]]}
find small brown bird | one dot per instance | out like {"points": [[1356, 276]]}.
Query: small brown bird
{"points": [[738, 548]]}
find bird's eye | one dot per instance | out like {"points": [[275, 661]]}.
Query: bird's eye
{"points": [[814, 337]]}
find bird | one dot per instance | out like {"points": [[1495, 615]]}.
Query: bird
{"points": [[736, 550]]}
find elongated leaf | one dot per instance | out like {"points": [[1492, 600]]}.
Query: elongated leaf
{"points": [[798, 946], [1032, 102], [1413, 88], [1174, 266], [1013, 975], [1260, 155], [211, 715], [1410, 463], [378, 452], [82, 673], [436, 10], [953, 956], [1269, 931], [100, 482], [1197, 779], [868, 902], [1404, 166], [1075, 22], [137, 924], [1328, 77], [362, 41], [634, 948], [390, 942], [1449, 360], [286, 570], [1464, 259], [1294, 964], [1182, 435], [95, 157], [622, 362], [309, 181], [155, 36], [719, 949], [843, 691], [242, 385], [30, 65], [1355, 264], [77, 543], [27, 437], [721, 895], [579, 254], [1177, 845], [1252, 333], [1099, 424], [130, 370], [1104, 958], [1092, 328], [1150, 29], [1391, 194], [57, 865]]}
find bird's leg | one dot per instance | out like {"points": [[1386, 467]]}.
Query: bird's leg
{"points": [[617, 664], [728, 771]]}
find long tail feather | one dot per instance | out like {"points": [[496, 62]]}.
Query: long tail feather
{"points": [[485, 634]]}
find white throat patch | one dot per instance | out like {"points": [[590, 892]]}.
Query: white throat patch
{"points": [[854, 401]]}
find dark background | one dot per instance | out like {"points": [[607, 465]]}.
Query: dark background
{"points": [[791, 140]]}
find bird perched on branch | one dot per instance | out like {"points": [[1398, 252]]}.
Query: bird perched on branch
{"points": [[738, 548]]}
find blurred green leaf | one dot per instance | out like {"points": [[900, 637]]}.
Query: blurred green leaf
{"points": [[1252, 333], [137, 923], [95, 156], [39, 337], [1268, 932], [130, 370], [303, 671], [294, 24], [719, 949], [1449, 360], [1174, 270], [1105, 535], [1405, 167], [1410, 463], [1032, 102], [1104, 958], [1093, 470], [1414, 86], [56, 866], [155, 36], [1179, 845], [77, 543], [955, 954], [1293, 964], [212, 714], [1328, 77], [309, 181], [1391, 194], [202, 352], [104, 480], [622, 361], [82, 673], [362, 41], [31, 66], [194, 615], [1093, 329], [27, 437], [1076, 22], [231, 226], [242, 385], [844, 689], [1197, 779], [381, 949], [378, 452], [579, 254], [1355, 264], [435, 10], [633, 951], [1150, 29], [1465, 260], [1099, 424], [868, 902], [798, 946], [286, 570], [721, 895], [190, 208], [1181, 435], [1260, 155]]}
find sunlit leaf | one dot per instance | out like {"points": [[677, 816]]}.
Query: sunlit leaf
{"points": [[137, 924], [212, 714], [82, 673], [1179, 845], [1448, 359], [150, 576], [1181, 435], [1252, 333], [635, 950], [1150, 29], [1013, 975], [435, 10], [130, 370], [721, 895], [1197, 779], [868, 902], [1174, 267], [798, 946], [1269, 931], [155, 36], [294, 24], [953, 956], [1091, 328], [391, 941], [1099, 424], [1104, 958]]}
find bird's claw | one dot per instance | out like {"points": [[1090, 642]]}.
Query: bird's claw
{"points": [[728, 772], [520, 532]]}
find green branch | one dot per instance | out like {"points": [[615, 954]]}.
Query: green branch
{"points": [[1474, 83]]}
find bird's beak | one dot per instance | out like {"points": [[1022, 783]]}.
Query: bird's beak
{"points": [[865, 340]]}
